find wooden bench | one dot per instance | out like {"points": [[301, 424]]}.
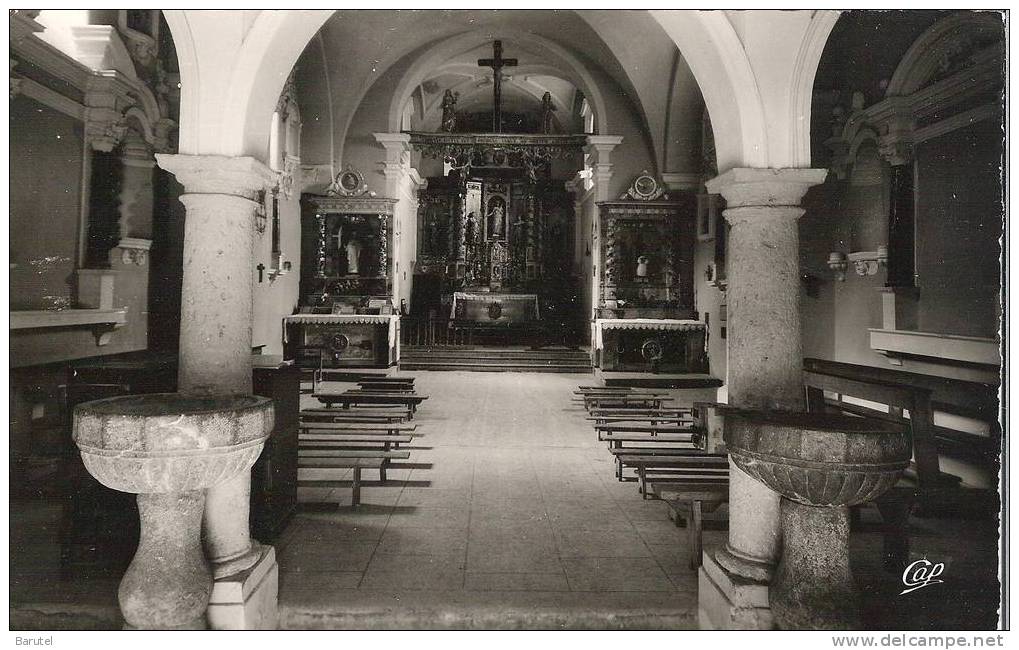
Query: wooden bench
{"points": [[355, 417], [306, 440], [382, 412], [351, 398], [616, 440], [678, 464], [650, 419], [692, 499], [936, 493], [305, 474], [378, 387], [321, 457], [625, 400], [327, 374], [358, 427], [637, 427]]}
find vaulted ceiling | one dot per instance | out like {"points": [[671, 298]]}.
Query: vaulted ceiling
{"points": [[357, 48]]}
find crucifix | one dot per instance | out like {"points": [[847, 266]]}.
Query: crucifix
{"points": [[497, 63]]}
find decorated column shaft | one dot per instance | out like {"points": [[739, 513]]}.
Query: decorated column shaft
{"points": [[765, 355], [221, 197]]}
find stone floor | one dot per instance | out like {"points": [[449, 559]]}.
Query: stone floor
{"points": [[507, 515], [510, 505]]}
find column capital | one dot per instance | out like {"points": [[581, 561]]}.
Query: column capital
{"points": [[394, 143], [750, 187], [602, 145], [241, 176]]}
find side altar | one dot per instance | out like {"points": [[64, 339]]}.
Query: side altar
{"points": [[346, 316], [645, 319]]}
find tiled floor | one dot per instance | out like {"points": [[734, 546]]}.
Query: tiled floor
{"points": [[508, 490], [506, 516]]}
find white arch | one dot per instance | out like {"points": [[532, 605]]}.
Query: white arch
{"points": [[234, 117], [720, 65], [190, 79], [924, 55], [576, 72], [801, 101]]}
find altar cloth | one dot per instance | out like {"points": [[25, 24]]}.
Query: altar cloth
{"points": [[650, 324], [501, 298], [391, 320]]}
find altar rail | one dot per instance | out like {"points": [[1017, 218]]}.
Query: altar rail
{"points": [[449, 332], [430, 331]]}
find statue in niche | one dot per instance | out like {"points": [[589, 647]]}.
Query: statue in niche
{"points": [[433, 226], [353, 250], [642, 263], [449, 111], [547, 108], [496, 219]]}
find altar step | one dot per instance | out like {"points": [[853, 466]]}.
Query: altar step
{"points": [[486, 359]]}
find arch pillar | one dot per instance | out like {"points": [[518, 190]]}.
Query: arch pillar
{"points": [[765, 372], [221, 198]]}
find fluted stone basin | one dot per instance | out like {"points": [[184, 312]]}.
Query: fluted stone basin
{"points": [[818, 459], [168, 442], [168, 448], [822, 464]]}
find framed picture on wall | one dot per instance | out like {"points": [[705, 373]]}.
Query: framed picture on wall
{"points": [[707, 215]]}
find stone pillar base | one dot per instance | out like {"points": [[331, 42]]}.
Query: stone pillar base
{"points": [[726, 601], [247, 600]]}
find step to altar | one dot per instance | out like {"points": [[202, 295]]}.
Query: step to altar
{"points": [[490, 359]]}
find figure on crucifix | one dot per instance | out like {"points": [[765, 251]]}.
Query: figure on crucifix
{"points": [[497, 63]]}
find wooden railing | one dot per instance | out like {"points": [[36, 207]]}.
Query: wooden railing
{"points": [[431, 331]]}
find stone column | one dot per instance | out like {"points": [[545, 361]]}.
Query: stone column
{"points": [[765, 372], [597, 155], [221, 196]]}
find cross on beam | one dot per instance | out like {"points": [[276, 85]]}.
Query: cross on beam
{"points": [[497, 63]]}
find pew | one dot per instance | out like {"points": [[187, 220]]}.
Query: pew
{"points": [[626, 400], [309, 476], [691, 499], [637, 427], [678, 464], [353, 398], [348, 441], [617, 440], [923, 484], [353, 417]]}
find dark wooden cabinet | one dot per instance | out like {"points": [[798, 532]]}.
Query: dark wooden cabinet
{"points": [[99, 531], [274, 475]]}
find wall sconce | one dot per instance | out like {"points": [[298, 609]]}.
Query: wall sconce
{"points": [[867, 262], [837, 263]]}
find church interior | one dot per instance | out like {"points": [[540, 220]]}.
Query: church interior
{"points": [[629, 319]]}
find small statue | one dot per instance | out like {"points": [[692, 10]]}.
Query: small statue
{"points": [[496, 222], [353, 249], [547, 108], [642, 263], [449, 111]]}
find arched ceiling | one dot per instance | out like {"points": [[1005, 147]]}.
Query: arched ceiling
{"points": [[356, 48], [523, 86]]}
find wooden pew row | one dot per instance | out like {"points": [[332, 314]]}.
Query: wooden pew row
{"points": [[631, 400], [660, 458], [350, 399], [643, 441], [690, 500]]}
